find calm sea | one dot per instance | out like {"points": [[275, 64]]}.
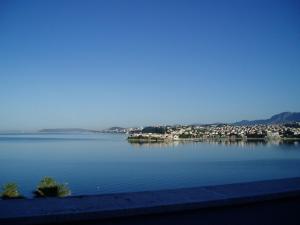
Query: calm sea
{"points": [[105, 163]]}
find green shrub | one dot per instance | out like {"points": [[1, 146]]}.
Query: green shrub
{"points": [[10, 191], [48, 187]]}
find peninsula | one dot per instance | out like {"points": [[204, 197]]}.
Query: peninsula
{"points": [[283, 126]]}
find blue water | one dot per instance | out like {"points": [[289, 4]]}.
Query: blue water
{"points": [[105, 163]]}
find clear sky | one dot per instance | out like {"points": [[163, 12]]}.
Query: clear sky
{"points": [[95, 64]]}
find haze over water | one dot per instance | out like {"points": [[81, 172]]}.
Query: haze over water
{"points": [[105, 163]]}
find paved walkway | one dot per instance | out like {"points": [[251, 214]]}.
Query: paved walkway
{"points": [[112, 206]]}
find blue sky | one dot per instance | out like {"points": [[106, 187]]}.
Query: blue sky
{"points": [[95, 64]]}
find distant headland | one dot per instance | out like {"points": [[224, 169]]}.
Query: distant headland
{"points": [[67, 130]]}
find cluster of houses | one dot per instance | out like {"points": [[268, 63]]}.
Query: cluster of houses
{"points": [[219, 131]]}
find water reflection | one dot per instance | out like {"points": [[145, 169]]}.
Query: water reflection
{"points": [[223, 142], [155, 144]]}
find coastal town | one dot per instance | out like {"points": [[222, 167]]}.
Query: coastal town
{"points": [[215, 131]]}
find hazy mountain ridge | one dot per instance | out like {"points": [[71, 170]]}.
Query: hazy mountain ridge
{"points": [[81, 130], [284, 117], [66, 130]]}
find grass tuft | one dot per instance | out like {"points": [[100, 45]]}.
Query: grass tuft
{"points": [[48, 187], [10, 191]]}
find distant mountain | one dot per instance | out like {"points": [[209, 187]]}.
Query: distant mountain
{"points": [[207, 124], [80, 130], [285, 117], [115, 130], [66, 130]]}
